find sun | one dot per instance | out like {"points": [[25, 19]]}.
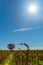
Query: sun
{"points": [[32, 8]]}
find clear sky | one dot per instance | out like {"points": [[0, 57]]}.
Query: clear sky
{"points": [[18, 25]]}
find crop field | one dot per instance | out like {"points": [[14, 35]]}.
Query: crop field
{"points": [[19, 57]]}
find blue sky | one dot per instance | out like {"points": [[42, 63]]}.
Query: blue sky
{"points": [[18, 25]]}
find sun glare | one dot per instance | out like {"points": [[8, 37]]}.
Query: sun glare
{"points": [[32, 8]]}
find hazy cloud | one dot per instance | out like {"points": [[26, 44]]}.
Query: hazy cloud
{"points": [[36, 48], [25, 29]]}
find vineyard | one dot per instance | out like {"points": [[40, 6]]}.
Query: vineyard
{"points": [[19, 57]]}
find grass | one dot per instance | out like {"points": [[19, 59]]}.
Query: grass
{"points": [[40, 62], [10, 60]]}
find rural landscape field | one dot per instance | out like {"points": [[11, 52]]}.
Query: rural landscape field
{"points": [[18, 57], [21, 32]]}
